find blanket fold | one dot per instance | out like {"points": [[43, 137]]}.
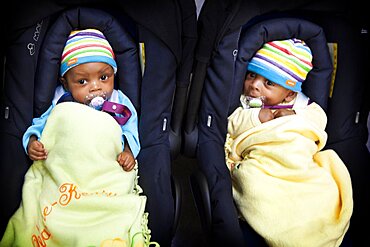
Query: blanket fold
{"points": [[80, 195], [290, 191]]}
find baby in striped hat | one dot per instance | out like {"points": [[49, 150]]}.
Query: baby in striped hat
{"points": [[87, 74], [276, 157], [274, 78], [84, 47]]}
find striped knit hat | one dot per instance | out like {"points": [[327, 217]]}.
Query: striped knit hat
{"points": [[285, 62], [86, 46]]}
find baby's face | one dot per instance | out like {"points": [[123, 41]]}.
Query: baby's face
{"points": [[256, 85], [88, 80]]}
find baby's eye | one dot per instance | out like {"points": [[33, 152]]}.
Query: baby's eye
{"points": [[251, 75], [82, 82], [270, 83], [104, 77]]}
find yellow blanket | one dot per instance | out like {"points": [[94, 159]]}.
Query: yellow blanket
{"points": [[79, 196], [285, 187]]}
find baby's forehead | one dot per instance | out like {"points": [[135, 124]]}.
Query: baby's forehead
{"points": [[254, 74], [90, 68]]}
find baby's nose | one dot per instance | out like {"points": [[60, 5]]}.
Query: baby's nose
{"points": [[95, 85], [257, 84]]}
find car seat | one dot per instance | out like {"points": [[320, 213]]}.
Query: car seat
{"points": [[160, 38], [346, 107]]}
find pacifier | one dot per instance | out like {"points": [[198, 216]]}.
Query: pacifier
{"points": [[255, 102], [252, 102], [96, 100]]}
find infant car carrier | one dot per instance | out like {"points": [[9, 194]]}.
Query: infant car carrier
{"points": [[155, 84], [340, 93]]}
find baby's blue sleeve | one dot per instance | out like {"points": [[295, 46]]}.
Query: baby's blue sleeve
{"points": [[130, 128], [38, 125]]}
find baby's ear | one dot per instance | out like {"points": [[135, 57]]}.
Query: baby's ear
{"points": [[63, 81], [291, 95]]}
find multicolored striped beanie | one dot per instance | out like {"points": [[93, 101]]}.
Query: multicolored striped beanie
{"points": [[285, 62], [86, 46]]}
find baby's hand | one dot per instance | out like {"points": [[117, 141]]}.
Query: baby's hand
{"points": [[126, 160], [283, 112], [265, 115], [36, 150]]}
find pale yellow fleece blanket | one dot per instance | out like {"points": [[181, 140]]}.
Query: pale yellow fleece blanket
{"points": [[79, 196], [290, 191]]}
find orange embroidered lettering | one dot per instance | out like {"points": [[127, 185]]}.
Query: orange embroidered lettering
{"points": [[40, 240], [46, 211], [45, 234], [68, 190]]}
